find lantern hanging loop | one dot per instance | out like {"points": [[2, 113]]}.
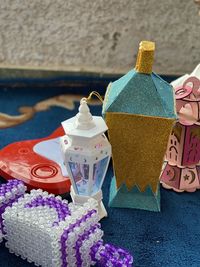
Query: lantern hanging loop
{"points": [[96, 94]]}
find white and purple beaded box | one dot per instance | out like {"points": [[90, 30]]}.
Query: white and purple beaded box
{"points": [[9, 194], [48, 231]]}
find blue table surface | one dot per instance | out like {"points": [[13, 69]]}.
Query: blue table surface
{"points": [[170, 238]]}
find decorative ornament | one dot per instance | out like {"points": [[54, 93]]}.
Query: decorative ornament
{"points": [[183, 150], [139, 110], [86, 152], [48, 231]]}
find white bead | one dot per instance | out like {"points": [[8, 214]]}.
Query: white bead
{"points": [[30, 232]]}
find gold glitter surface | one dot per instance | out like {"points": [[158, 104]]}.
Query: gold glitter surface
{"points": [[145, 57], [138, 147]]}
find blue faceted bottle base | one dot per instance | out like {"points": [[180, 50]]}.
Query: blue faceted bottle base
{"points": [[134, 199]]}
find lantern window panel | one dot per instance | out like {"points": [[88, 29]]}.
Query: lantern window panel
{"points": [[99, 170], [80, 173]]}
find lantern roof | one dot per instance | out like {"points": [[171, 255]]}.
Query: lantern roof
{"points": [[141, 91], [138, 93], [84, 124]]}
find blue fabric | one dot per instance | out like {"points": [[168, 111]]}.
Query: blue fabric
{"points": [[170, 238]]}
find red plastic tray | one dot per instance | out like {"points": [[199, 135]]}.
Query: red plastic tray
{"points": [[19, 161]]}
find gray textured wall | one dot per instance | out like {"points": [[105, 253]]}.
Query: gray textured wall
{"points": [[103, 34]]}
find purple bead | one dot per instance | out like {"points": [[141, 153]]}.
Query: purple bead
{"points": [[51, 202]]}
